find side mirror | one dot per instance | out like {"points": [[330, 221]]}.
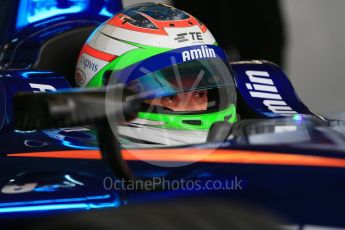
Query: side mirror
{"points": [[72, 107], [80, 107]]}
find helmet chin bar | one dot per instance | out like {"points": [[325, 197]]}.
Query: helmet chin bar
{"points": [[75, 108]]}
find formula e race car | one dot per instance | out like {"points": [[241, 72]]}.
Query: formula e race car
{"points": [[61, 154]]}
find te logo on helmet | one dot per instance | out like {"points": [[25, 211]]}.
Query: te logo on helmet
{"points": [[183, 37]]}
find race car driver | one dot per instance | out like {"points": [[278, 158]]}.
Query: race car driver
{"points": [[172, 62]]}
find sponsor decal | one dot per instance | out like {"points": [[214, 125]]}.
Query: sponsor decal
{"points": [[191, 36], [203, 52], [41, 87], [80, 77], [262, 86], [88, 64]]}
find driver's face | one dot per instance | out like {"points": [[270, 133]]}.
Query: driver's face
{"points": [[183, 102]]}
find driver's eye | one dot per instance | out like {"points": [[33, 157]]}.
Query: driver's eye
{"points": [[200, 94], [169, 98]]}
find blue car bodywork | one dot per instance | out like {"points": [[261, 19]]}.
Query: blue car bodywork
{"points": [[49, 171]]}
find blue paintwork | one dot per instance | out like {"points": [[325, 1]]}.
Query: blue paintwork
{"points": [[302, 194], [22, 50], [85, 192], [12, 82], [310, 195], [19, 14], [293, 191], [305, 195], [280, 81], [21, 45]]}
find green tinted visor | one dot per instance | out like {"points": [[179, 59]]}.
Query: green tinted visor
{"points": [[189, 76], [210, 75], [155, 81]]}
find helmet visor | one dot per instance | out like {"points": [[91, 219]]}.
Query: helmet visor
{"points": [[189, 76], [197, 86]]}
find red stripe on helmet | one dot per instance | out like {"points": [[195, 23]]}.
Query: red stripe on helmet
{"points": [[119, 21], [97, 53]]}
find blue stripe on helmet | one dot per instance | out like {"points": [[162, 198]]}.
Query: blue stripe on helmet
{"points": [[170, 58]]}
